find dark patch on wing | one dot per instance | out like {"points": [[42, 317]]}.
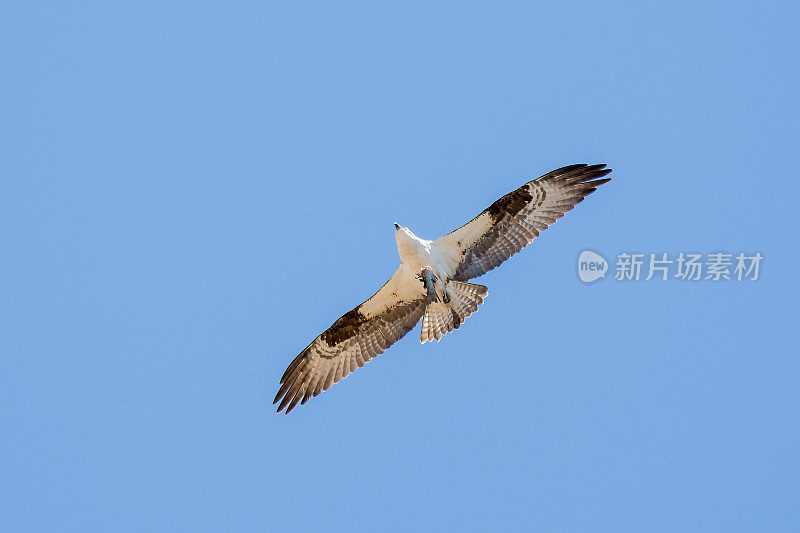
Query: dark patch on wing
{"points": [[322, 364], [520, 216], [510, 204], [344, 328]]}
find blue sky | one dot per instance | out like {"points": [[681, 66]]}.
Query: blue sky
{"points": [[191, 192]]}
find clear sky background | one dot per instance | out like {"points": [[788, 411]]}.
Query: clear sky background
{"points": [[191, 192]]}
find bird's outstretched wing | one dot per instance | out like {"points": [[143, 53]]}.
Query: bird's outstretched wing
{"points": [[359, 335], [512, 222]]}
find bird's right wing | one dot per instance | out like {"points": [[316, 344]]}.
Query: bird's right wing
{"points": [[512, 222], [359, 335]]}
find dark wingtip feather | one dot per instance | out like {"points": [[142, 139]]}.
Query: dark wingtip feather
{"points": [[284, 402], [284, 387], [295, 399]]}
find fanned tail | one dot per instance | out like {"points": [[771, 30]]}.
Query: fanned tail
{"points": [[441, 318], [467, 297]]}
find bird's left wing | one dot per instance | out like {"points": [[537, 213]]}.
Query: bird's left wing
{"points": [[512, 222], [362, 333]]}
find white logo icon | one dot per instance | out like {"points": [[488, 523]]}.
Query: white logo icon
{"points": [[591, 266]]}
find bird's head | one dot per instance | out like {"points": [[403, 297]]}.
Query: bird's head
{"points": [[401, 231], [402, 235]]}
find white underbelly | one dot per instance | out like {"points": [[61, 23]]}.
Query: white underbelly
{"points": [[418, 260], [441, 264], [416, 254], [428, 258]]}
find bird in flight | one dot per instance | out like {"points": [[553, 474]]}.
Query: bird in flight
{"points": [[432, 281]]}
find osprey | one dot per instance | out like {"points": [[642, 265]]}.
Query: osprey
{"points": [[431, 282]]}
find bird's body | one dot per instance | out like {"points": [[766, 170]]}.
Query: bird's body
{"points": [[417, 254], [431, 282]]}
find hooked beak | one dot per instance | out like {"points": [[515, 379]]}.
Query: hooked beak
{"points": [[396, 226]]}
